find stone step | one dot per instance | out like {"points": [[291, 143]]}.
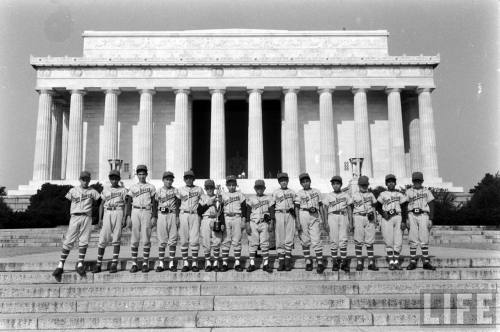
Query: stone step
{"points": [[299, 263], [325, 287], [241, 302], [259, 275]]}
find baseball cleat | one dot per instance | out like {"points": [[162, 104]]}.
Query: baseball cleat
{"points": [[134, 268], [335, 265], [309, 266], [145, 268], [57, 274], [267, 268], [345, 266], [251, 268], [320, 268], [159, 268], [359, 267], [97, 269], [113, 268], [372, 267], [281, 265], [195, 268], [81, 270], [238, 268], [412, 266], [428, 266], [288, 264]]}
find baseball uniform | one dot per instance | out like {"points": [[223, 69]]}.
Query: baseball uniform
{"points": [[364, 230], [418, 215], [189, 230], [167, 221], [309, 221], [260, 206], [208, 238], [232, 214], [336, 205], [285, 221], [391, 228]]}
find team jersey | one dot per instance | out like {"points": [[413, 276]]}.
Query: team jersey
{"points": [[82, 199], [190, 197], [308, 198], [166, 197], [260, 205], [283, 199], [142, 194], [337, 201], [419, 199], [232, 201], [205, 200], [392, 200], [114, 197], [363, 202]]}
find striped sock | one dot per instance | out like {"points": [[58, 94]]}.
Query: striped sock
{"points": [[237, 256], [135, 252], [216, 253], [335, 253], [390, 254], [307, 254], [194, 253], [425, 252], [100, 254], [225, 255], [359, 251], [64, 255], [281, 257], [116, 252], [145, 255], [81, 254], [207, 258], [319, 256], [413, 254], [343, 252], [265, 255], [161, 255], [288, 252], [252, 257], [369, 250], [184, 253], [171, 253], [396, 256]]}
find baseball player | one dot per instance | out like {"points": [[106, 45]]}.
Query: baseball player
{"points": [[168, 219], [82, 199], [143, 216], [260, 219], [307, 205], [364, 204], [209, 237], [285, 222], [420, 215], [235, 212], [337, 210], [112, 218], [392, 226], [189, 221]]}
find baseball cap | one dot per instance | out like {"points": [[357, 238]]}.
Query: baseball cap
{"points": [[363, 180], [114, 173], [84, 174], [390, 177], [230, 178], [189, 174], [209, 183], [282, 176], [141, 168], [167, 175], [336, 178], [417, 176], [304, 176], [259, 184]]}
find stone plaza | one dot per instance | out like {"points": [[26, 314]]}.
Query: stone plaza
{"points": [[220, 102]]}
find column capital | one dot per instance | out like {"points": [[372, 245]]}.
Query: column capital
{"points": [[327, 89], [258, 90], [291, 89], [78, 92], [115, 91], [421, 89], [390, 89], [47, 91], [148, 90], [182, 90], [217, 90], [360, 88]]}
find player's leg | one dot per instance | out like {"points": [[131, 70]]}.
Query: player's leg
{"points": [[388, 235], [289, 237], [172, 240], [305, 239], [162, 235], [226, 243], [214, 250], [369, 241], [184, 239], [315, 233], [264, 246], [280, 239], [423, 234], [359, 238], [135, 238], [236, 243], [146, 227], [206, 241], [83, 242], [68, 243], [397, 240], [343, 237], [194, 239], [105, 237], [413, 240], [333, 226], [253, 245]]}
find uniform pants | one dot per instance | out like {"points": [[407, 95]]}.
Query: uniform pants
{"points": [[259, 236], [167, 229], [311, 234], [285, 231], [111, 230], [141, 227], [391, 231], [419, 231], [338, 224], [189, 231], [209, 238], [364, 230], [78, 229], [233, 233]]}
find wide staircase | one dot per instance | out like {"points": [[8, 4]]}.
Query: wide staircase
{"points": [[240, 301]]}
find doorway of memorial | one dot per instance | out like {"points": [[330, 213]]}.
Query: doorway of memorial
{"points": [[271, 126], [201, 138], [236, 121]]}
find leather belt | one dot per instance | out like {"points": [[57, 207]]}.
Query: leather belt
{"points": [[79, 214], [210, 216], [165, 210], [363, 214], [232, 214], [337, 212], [188, 211], [141, 207], [113, 208], [418, 211]]}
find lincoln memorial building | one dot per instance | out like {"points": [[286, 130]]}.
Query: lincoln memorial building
{"points": [[242, 102]]}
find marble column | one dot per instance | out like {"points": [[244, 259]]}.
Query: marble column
{"points": [[145, 141], [182, 150], [414, 137], [255, 135], [217, 136], [327, 137], [64, 145], [110, 130], [396, 138], [427, 134], [362, 142], [75, 136], [41, 164], [56, 141], [291, 159]]}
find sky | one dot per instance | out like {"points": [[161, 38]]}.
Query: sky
{"points": [[463, 32]]}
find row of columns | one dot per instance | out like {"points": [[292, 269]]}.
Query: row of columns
{"points": [[422, 135]]}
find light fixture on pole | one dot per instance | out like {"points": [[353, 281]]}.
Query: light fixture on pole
{"points": [[115, 164]]}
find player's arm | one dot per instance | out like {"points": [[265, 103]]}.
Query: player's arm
{"points": [[245, 211], [202, 207], [101, 212], [126, 212], [248, 211], [350, 217], [297, 217]]}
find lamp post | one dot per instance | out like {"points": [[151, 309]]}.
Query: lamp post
{"points": [[115, 164], [356, 164]]}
